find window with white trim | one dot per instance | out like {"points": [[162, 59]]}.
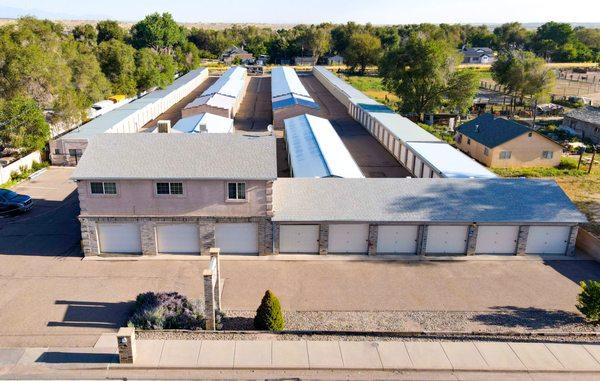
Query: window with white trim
{"points": [[236, 191], [98, 187], [504, 155], [547, 154], [169, 189]]}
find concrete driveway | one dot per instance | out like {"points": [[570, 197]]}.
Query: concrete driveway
{"points": [[51, 297]]}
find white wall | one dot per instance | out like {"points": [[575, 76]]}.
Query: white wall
{"points": [[26, 161]]}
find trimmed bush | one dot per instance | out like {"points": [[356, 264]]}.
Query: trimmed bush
{"points": [[165, 310], [589, 300], [269, 315]]}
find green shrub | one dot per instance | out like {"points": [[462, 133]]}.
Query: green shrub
{"points": [[269, 315], [589, 300]]}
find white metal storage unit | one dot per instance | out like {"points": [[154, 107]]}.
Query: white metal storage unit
{"points": [[340, 89], [299, 239], [237, 238], [548, 240], [316, 150], [397, 239], [178, 239], [348, 238], [497, 239], [203, 123], [289, 97], [119, 238], [130, 117], [433, 216]]}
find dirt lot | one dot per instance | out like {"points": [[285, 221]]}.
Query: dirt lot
{"points": [[174, 113], [369, 154]]}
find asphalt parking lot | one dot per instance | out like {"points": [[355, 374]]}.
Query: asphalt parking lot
{"points": [[51, 297]]}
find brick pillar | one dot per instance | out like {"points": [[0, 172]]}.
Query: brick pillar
{"points": [[572, 240], [89, 237], [207, 237], [148, 232], [522, 240], [472, 239], [323, 239], [126, 345], [373, 232], [209, 300], [422, 240], [276, 238], [265, 237]]}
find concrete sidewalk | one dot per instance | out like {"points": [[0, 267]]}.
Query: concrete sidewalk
{"points": [[319, 355]]}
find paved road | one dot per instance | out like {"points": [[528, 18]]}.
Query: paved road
{"points": [[51, 297]]}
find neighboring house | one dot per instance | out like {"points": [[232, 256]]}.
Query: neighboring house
{"points": [[230, 55], [336, 60], [502, 143], [478, 55], [305, 61], [585, 122], [176, 193]]}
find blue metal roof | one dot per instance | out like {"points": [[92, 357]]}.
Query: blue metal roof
{"points": [[293, 100]]}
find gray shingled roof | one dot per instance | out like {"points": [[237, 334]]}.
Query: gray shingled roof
{"points": [[422, 200], [492, 131], [178, 156], [587, 114]]}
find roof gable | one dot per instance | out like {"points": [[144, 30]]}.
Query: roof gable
{"points": [[491, 131]]}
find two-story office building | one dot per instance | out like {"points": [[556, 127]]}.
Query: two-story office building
{"points": [[176, 193]]}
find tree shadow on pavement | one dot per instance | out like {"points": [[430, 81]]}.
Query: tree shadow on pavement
{"points": [[576, 271], [93, 314], [528, 318]]}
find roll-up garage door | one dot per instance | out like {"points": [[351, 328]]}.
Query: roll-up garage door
{"points": [[497, 239], [178, 239], [446, 239], [397, 239], [418, 167], [119, 238], [348, 238], [547, 239], [410, 159], [299, 239], [237, 238]]}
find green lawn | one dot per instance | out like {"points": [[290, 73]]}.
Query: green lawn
{"points": [[372, 86]]}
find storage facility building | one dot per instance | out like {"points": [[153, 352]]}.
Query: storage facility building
{"points": [[316, 150], [339, 88], [223, 97], [423, 217], [129, 118], [204, 123], [289, 97]]}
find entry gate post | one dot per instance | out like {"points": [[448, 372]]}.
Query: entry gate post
{"points": [[212, 290]]}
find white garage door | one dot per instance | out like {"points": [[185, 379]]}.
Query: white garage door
{"points": [[397, 240], [418, 167], [497, 239], [237, 238], [119, 238], [446, 239], [299, 239], [410, 159], [178, 239], [348, 238], [547, 239]]}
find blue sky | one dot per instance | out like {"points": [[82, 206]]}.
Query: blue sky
{"points": [[313, 11]]}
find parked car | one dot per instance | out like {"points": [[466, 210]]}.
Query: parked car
{"points": [[12, 202]]}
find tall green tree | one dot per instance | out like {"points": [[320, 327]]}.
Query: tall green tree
{"points": [[117, 61], [364, 49], [159, 32], [423, 74], [153, 69], [188, 57], [22, 124], [109, 30], [85, 33], [510, 36]]}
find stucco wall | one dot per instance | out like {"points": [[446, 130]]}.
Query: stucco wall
{"points": [[26, 161], [63, 145], [525, 152], [200, 198]]}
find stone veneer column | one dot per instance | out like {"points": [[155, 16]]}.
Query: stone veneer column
{"points": [[126, 345], [373, 233], [89, 237], [522, 240], [207, 236], [148, 232], [422, 240], [276, 228], [265, 237], [472, 239], [323, 239], [269, 198], [572, 241]]}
